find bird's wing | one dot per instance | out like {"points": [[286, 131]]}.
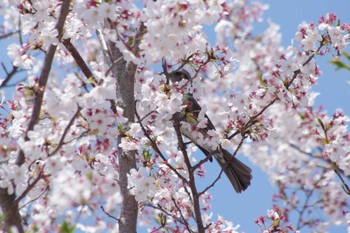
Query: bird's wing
{"points": [[194, 107], [237, 172]]}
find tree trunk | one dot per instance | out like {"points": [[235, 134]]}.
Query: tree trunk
{"points": [[10, 211], [124, 73]]}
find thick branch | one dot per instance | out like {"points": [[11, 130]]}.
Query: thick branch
{"points": [[8, 203], [125, 94], [39, 94], [79, 60]]}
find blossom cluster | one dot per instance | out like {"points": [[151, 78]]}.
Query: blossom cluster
{"points": [[273, 222], [248, 86]]}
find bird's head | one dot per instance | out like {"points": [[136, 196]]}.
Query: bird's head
{"points": [[178, 75]]}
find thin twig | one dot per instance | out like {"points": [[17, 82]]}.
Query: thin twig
{"points": [[8, 35], [29, 188], [182, 216], [201, 162], [31, 201], [157, 229], [70, 123], [336, 169], [145, 116], [252, 119], [160, 208], [9, 75], [212, 184], [106, 52], [109, 215], [192, 182], [222, 169], [156, 149], [345, 185]]}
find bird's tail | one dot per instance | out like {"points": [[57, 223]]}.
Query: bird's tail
{"points": [[237, 172]]}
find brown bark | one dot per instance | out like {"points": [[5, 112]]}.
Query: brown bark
{"points": [[9, 203], [124, 74], [9, 207]]}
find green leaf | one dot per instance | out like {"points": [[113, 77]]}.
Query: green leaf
{"points": [[339, 64], [66, 228], [146, 155], [346, 55]]}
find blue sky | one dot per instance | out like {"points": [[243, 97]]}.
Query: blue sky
{"points": [[335, 93]]}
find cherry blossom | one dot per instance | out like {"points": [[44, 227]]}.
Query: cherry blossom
{"points": [[68, 131]]}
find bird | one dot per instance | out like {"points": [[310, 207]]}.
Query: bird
{"points": [[239, 174]]}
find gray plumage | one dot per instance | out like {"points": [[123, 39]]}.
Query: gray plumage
{"points": [[237, 172]]}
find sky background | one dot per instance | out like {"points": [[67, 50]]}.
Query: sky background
{"points": [[244, 208]]}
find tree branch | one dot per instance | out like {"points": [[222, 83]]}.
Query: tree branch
{"points": [[79, 61], [156, 149], [29, 187], [44, 75], [182, 216], [109, 215], [9, 203], [9, 75], [8, 35], [181, 220], [334, 166], [222, 169], [192, 182], [253, 119], [70, 123]]}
